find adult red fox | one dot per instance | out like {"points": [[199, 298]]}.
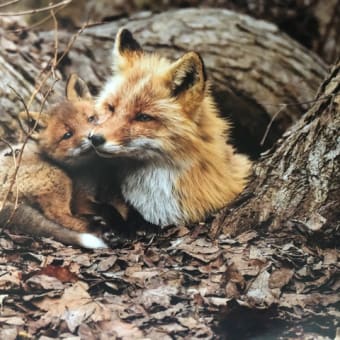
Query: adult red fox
{"points": [[43, 190], [163, 124]]}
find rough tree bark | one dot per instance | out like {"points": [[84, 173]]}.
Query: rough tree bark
{"points": [[253, 67], [297, 183]]}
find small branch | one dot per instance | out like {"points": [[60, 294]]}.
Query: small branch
{"points": [[56, 44], [283, 106], [37, 10], [67, 49], [312, 101], [38, 23], [9, 3]]}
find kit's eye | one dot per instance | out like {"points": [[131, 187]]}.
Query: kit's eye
{"points": [[111, 108], [67, 135], [91, 119], [143, 117]]}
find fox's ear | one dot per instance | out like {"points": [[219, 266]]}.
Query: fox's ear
{"points": [[36, 120], [126, 48], [76, 88], [187, 75]]}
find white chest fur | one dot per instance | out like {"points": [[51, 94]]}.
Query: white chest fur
{"points": [[150, 190]]}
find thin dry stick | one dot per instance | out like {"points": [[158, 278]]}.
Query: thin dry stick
{"points": [[67, 49], [21, 151], [283, 106], [13, 180], [56, 44], [9, 3], [37, 10], [312, 101], [55, 63], [38, 23]]}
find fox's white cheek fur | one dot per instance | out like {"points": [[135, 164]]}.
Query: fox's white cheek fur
{"points": [[150, 191], [140, 148], [109, 148], [145, 142]]}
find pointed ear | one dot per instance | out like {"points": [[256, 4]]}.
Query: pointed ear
{"points": [[37, 120], [125, 49], [187, 76], [76, 89]]}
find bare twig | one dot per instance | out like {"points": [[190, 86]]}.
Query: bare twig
{"points": [[21, 151], [67, 49], [9, 3], [56, 44], [38, 23], [312, 101], [13, 180], [283, 106], [37, 10]]}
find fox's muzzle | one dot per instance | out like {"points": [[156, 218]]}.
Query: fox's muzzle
{"points": [[96, 140]]}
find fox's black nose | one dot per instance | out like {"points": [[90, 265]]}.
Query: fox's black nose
{"points": [[96, 139]]}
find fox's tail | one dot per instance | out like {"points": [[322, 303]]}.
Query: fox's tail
{"points": [[28, 220]]}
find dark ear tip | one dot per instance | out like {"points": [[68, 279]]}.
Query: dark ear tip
{"points": [[125, 34], [127, 42], [199, 57]]}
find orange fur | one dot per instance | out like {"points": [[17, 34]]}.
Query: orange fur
{"points": [[161, 117], [42, 182]]}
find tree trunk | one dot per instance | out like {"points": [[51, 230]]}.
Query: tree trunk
{"points": [[297, 183], [254, 69]]}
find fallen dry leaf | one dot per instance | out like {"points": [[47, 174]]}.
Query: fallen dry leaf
{"points": [[44, 282], [10, 278], [63, 274], [260, 292], [280, 277]]}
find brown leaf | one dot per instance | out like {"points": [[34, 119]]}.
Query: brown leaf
{"points": [[280, 277], [120, 329], [8, 333], [10, 278], [74, 307], [200, 249], [14, 321], [63, 274], [106, 263], [232, 291], [44, 282], [290, 300], [161, 296], [260, 292]]}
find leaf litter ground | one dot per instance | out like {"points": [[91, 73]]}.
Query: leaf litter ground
{"points": [[175, 284]]}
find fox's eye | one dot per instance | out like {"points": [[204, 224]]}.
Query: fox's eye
{"points": [[143, 117], [91, 119], [111, 108], [67, 135]]}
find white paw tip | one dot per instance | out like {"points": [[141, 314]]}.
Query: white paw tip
{"points": [[92, 242]]}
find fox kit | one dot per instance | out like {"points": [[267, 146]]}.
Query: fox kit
{"points": [[43, 190], [163, 125]]}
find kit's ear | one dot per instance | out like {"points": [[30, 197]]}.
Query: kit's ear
{"points": [[76, 89], [125, 49], [34, 120], [187, 75]]}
